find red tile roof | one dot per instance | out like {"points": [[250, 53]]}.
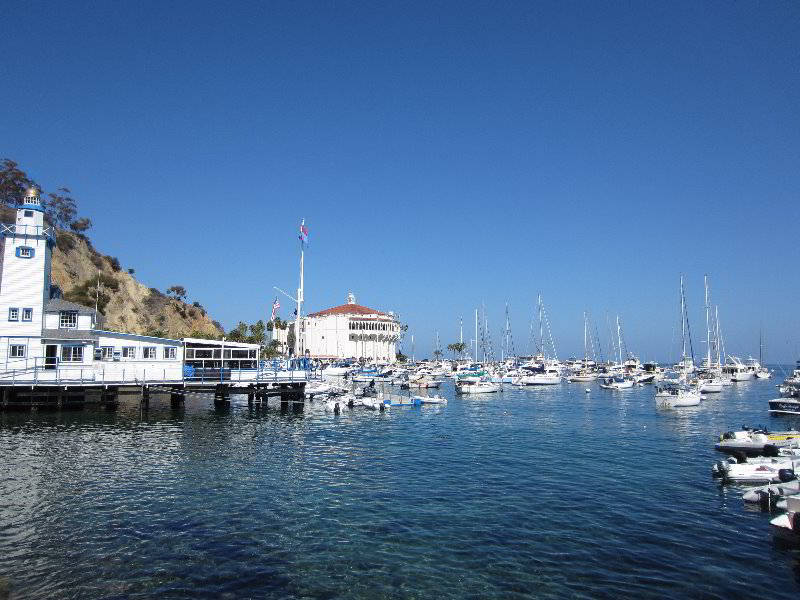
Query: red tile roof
{"points": [[348, 309]]}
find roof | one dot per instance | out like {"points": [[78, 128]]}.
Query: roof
{"points": [[348, 309], [58, 304], [218, 343], [69, 334]]}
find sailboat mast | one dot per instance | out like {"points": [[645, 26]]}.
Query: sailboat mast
{"points": [[541, 330], [619, 342], [476, 335], [708, 327], [585, 350], [683, 324]]}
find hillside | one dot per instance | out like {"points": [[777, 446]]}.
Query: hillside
{"points": [[127, 304]]}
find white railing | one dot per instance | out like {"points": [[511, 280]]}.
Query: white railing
{"points": [[31, 230], [50, 371]]}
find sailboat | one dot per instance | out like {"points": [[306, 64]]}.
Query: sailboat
{"points": [[620, 380], [676, 394], [762, 372], [711, 381], [546, 371], [585, 373]]}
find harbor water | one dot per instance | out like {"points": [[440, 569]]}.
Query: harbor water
{"points": [[546, 492]]}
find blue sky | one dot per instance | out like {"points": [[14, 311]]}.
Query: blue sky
{"points": [[443, 155]]}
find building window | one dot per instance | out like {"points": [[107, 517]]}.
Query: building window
{"points": [[107, 352], [129, 352], [170, 352], [18, 351], [24, 252], [13, 314], [68, 319], [27, 314], [28, 213], [72, 354], [149, 352]]}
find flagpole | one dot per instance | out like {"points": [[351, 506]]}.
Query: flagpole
{"points": [[297, 344]]}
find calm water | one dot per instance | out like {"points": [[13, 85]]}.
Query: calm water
{"points": [[545, 492]]}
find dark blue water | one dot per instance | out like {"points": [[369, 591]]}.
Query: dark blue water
{"points": [[546, 492]]}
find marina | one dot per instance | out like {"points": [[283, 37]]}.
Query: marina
{"points": [[317, 503]]}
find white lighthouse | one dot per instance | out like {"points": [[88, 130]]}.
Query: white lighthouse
{"points": [[25, 255]]}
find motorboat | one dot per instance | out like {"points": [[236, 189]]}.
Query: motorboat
{"points": [[583, 375], [544, 375], [617, 382], [676, 395], [736, 370], [777, 470], [711, 385], [787, 525], [477, 387], [785, 405], [755, 441], [756, 495], [430, 399]]}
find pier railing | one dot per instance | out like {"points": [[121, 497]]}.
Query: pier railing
{"points": [[50, 371]]}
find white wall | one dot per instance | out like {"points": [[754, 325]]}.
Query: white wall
{"points": [[23, 285]]}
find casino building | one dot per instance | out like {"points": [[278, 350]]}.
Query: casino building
{"points": [[351, 331]]}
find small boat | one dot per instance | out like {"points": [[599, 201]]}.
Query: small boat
{"points": [[778, 470], [676, 395], [618, 382], [787, 525], [712, 385], [772, 490], [756, 441], [477, 387], [429, 399], [583, 375]]}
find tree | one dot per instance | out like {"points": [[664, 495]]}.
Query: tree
{"points": [[457, 348], [290, 338], [258, 333], [437, 353], [13, 182], [239, 333], [401, 357], [272, 350], [180, 293], [81, 225], [60, 209]]}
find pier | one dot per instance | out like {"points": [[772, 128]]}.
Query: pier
{"points": [[42, 388]]}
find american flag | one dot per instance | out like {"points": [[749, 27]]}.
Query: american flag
{"points": [[304, 232], [275, 306]]}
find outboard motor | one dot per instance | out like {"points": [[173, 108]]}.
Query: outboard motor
{"points": [[728, 435], [786, 475], [771, 450], [766, 500]]}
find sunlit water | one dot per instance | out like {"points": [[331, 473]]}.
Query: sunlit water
{"points": [[536, 492]]}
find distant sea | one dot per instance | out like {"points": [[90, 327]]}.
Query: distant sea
{"points": [[545, 492]]}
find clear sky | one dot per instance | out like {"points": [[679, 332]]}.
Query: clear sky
{"points": [[443, 154]]}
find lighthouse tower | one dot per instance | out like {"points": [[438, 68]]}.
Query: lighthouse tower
{"points": [[25, 255]]}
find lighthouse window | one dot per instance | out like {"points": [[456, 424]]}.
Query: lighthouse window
{"points": [[68, 319], [27, 314], [28, 213], [25, 252], [13, 314]]}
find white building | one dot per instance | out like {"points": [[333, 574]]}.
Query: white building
{"points": [[45, 338], [351, 331]]}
